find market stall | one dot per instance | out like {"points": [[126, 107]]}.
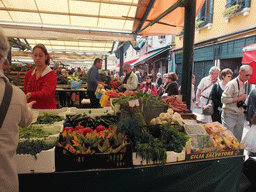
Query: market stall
{"points": [[148, 143]]}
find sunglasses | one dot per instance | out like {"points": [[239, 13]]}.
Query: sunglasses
{"points": [[148, 78], [125, 70]]}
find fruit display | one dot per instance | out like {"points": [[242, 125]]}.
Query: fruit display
{"points": [[200, 143], [174, 103], [213, 128]]}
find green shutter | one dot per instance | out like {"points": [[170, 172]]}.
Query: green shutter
{"points": [[228, 4], [247, 3], [211, 11]]}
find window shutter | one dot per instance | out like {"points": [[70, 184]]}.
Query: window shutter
{"points": [[211, 11], [247, 3]]}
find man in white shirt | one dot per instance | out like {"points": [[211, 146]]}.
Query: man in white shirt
{"points": [[204, 89]]}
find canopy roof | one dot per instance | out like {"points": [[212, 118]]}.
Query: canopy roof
{"points": [[90, 25]]}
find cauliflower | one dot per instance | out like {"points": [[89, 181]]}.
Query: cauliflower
{"points": [[164, 122], [176, 116], [162, 116], [170, 111], [167, 116], [158, 120], [153, 121]]}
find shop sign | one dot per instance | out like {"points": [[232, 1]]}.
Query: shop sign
{"points": [[211, 155]]}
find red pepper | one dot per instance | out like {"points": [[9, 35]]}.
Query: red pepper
{"points": [[68, 129], [79, 127], [100, 128]]}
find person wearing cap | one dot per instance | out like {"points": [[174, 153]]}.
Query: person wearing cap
{"points": [[204, 89]]}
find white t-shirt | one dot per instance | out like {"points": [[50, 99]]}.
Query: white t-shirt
{"points": [[204, 83]]}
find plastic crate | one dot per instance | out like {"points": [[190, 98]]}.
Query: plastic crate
{"points": [[151, 112], [71, 162]]}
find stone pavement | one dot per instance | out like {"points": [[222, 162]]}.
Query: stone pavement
{"points": [[198, 112]]}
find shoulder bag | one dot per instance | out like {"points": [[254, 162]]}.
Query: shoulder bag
{"points": [[208, 108], [5, 102]]}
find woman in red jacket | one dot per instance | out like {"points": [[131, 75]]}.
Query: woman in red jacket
{"points": [[148, 86], [40, 82]]}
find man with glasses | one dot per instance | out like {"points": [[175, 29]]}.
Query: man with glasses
{"points": [[130, 80], [204, 89], [233, 99]]}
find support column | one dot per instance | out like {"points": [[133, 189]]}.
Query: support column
{"points": [[121, 61], [106, 63], [188, 51], [9, 56]]}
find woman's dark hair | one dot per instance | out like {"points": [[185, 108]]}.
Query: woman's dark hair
{"points": [[43, 48], [150, 76], [173, 76], [97, 60]]}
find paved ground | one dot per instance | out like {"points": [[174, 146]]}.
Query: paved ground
{"points": [[198, 112]]}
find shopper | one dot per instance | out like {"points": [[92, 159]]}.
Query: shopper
{"points": [[17, 114], [172, 87], [93, 79], [159, 80], [193, 95], [162, 88], [139, 77], [130, 80], [40, 82], [148, 86], [249, 139], [204, 89], [251, 103], [216, 93], [233, 99]]}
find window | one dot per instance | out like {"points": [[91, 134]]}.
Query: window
{"points": [[242, 3], [205, 16]]}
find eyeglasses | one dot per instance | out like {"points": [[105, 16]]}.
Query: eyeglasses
{"points": [[247, 75], [148, 78], [125, 70]]}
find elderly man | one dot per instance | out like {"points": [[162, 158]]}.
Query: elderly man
{"points": [[233, 99], [130, 80], [204, 89], [93, 77]]}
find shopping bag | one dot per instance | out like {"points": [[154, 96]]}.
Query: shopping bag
{"points": [[75, 84], [104, 99], [208, 109]]}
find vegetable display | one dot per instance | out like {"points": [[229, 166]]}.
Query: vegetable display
{"points": [[33, 132], [33, 147], [91, 142], [175, 103], [48, 118]]}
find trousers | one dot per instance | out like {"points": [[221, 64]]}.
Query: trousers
{"points": [[234, 123]]}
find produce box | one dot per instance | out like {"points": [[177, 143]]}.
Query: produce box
{"points": [[70, 162], [91, 112], [43, 163], [151, 112], [194, 129], [175, 157], [188, 115]]}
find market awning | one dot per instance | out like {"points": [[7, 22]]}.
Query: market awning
{"points": [[129, 62], [249, 53], [149, 55]]}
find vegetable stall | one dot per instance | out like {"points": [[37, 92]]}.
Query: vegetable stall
{"points": [[142, 142]]}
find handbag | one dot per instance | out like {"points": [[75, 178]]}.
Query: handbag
{"points": [[5, 102], [208, 108]]}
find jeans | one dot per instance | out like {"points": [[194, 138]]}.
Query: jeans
{"points": [[234, 123]]}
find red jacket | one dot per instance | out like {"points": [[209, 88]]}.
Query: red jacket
{"points": [[153, 88], [43, 89]]}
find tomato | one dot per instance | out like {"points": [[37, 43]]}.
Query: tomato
{"points": [[68, 129]]}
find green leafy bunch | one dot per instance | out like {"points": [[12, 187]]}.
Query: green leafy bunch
{"points": [[172, 139], [48, 118], [33, 132]]}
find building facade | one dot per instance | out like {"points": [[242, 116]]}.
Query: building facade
{"points": [[223, 28]]}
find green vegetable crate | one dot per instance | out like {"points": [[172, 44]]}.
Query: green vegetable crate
{"points": [[71, 162]]}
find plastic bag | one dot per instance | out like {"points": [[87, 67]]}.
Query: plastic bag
{"points": [[104, 99], [75, 84], [249, 140]]}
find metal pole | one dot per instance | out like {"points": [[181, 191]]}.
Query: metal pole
{"points": [[106, 63], [121, 61], [9, 56], [188, 51]]}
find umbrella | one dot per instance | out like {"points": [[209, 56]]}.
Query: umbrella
{"points": [[249, 57]]}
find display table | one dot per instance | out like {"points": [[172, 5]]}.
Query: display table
{"points": [[222, 174], [80, 91]]}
